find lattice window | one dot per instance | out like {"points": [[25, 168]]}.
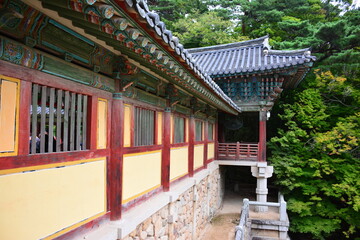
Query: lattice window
{"points": [[210, 131], [179, 133], [198, 130], [58, 120], [144, 127]]}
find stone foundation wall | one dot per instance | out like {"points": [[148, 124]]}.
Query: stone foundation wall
{"points": [[187, 215]]}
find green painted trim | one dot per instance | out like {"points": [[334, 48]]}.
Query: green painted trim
{"points": [[75, 34], [182, 109], [63, 51]]}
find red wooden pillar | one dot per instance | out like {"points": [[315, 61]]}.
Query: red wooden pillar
{"points": [[262, 136], [205, 143], [216, 138], [116, 143], [165, 154], [92, 129], [24, 116], [191, 145]]}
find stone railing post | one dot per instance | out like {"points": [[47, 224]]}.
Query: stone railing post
{"points": [[282, 208]]}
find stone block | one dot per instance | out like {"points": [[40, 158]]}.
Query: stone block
{"points": [[143, 235], [150, 230]]}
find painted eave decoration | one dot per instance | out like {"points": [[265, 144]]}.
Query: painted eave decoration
{"points": [[251, 73], [130, 28]]}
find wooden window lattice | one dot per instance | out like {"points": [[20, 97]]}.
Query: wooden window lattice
{"points": [[210, 131], [198, 131], [58, 120], [144, 127], [179, 130]]}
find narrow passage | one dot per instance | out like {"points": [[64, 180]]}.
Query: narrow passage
{"points": [[222, 226]]}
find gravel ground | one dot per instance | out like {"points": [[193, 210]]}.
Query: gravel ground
{"points": [[222, 226]]}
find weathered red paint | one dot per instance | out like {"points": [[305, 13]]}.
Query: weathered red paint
{"points": [[216, 139], [165, 154], [176, 145], [24, 116], [262, 136], [49, 158], [117, 143], [140, 149], [191, 146], [205, 143], [92, 125], [199, 169]]}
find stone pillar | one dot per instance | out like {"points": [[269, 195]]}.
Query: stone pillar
{"points": [[262, 172]]}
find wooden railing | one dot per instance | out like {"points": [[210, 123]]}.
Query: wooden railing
{"points": [[238, 151]]}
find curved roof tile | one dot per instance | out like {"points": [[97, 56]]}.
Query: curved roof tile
{"points": [[154, 22], [248, 56]]}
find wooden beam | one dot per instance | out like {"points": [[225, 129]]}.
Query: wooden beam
{"points": [[91, 134], [262, 136], [191, 145], [116, 158], [216, 138], [42, 159], [205, 143], [165, 156], [24, 116], [34, 128]]}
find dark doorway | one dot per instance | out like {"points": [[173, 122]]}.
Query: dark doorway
{"points": [[240, 182], [241, 128]]}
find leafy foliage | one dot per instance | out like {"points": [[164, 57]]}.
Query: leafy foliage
{"points": [[317, 164], [315, 152], [197, 23], [198, 30]]}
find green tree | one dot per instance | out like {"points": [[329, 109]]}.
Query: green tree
{"points": [[171, 11], [199, 30], [315, 152], [316, 157]]}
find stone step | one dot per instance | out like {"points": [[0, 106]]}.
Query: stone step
{"points": [[263, 238], [267, 238]]}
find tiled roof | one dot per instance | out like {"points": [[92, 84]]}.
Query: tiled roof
{"points": [[247, 57], [155, 22]]}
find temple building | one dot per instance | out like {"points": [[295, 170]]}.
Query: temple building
{"points": [[110, 129]]}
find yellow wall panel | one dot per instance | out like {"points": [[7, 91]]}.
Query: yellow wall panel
{"points": [[178, 162], [102, 124], [9, 114], [211, 150], [160, 127], [127, 125], [141, 174], [198, 156], [36, 204]]}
